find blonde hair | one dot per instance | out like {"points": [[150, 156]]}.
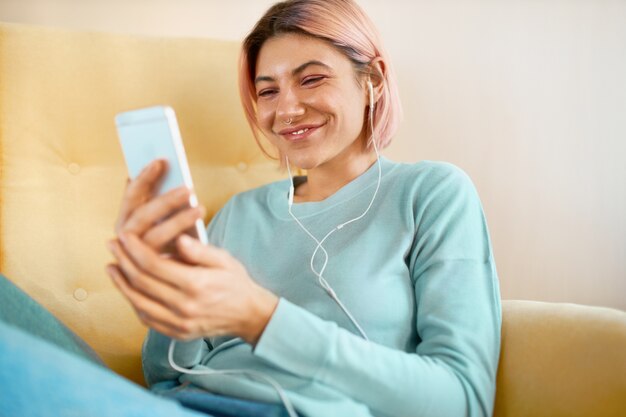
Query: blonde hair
{"points": [[344, 25]]}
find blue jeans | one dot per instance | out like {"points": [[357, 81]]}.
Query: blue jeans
{"points": [[40, 376]]}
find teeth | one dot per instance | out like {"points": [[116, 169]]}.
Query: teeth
{"points": [[299, 132]]}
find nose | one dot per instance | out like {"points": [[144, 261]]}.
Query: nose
{"points": [[289, 105]]}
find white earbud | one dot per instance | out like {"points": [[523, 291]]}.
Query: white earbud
{"points": [[291, 194]]}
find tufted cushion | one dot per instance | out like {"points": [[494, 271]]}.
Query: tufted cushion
{"points": [[62, 172]]}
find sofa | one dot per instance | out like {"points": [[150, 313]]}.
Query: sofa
{"points": [[62, 176]]}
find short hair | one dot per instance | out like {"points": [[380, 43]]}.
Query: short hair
{"points": [[343, 24]]}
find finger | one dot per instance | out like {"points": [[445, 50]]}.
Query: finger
{"points": [[146, 215], [150, 312], [196, 253], [166, 231], [167, 270], [171, 332], [154, 288], [140, 189]]}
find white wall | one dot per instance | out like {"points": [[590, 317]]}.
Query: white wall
{"points": [[529, 97]]}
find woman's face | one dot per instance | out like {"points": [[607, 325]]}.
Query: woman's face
{"points": [[309, 82]]}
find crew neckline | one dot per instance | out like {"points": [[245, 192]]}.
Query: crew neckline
{"points": [[279, 194]]}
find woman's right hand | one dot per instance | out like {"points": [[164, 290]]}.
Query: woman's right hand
{"points": [[156, 220]]}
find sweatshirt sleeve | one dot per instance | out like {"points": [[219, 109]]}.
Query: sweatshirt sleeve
{"points": [[156, 367], [452, 372], [155, 363]]}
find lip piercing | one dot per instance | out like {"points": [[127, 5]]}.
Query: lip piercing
{"points": [[289, 121]]}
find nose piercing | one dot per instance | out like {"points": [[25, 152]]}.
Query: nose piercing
{"points": [[289, 121]]}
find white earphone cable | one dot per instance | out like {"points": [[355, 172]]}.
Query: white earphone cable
{"points": [[251, 374]]}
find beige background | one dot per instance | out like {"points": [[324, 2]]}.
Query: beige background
{"points": [[529, 97]]}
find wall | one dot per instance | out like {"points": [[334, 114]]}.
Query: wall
{"points": [[529, 97]]}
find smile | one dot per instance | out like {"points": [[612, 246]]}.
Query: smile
{"points": [[299, 133]]}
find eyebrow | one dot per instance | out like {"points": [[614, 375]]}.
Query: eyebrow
{"points": [[295, 72]]}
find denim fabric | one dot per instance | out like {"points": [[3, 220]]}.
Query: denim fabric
{"points": [[40, 379], [217, 405]]}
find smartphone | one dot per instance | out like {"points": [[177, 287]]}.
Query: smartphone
{"points": [[152, 133]]}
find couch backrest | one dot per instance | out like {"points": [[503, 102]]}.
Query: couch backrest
{"points": [[62, 172]]}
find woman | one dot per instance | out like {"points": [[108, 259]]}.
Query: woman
{"points": [[399, 312], [414, 276]]}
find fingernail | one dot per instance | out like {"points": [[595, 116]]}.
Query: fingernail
{"points": [[198, 212], [147, 169], [153, 167], [185, 240], [182, 191], [123, 238], [111, 245]]}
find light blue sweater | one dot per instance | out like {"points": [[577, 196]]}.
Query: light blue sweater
{"points": [[417, 273]]}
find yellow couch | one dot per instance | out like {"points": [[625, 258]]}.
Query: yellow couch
{"points": [[62, 176]]}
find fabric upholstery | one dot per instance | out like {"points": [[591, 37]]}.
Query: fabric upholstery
{"points": [[62, 172]]}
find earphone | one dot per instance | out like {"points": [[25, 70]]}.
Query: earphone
{"points": [[323, 283]]}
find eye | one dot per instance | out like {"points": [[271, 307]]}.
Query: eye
{"points": [[313, 79], [268, 92]]}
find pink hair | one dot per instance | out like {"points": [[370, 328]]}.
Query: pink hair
{"points": [[343, 24]]}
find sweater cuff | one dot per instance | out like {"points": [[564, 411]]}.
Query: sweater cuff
{"points": [[296, 340], [186, 354]]}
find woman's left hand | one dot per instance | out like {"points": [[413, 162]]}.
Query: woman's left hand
{"points": [[206, 293]]}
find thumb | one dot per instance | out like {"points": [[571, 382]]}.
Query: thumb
{"points": [[196, 253]]}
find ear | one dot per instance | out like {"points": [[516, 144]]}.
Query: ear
{"points": [[376, 74]]}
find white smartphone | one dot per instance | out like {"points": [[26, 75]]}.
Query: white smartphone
{"points": [[152, 133]]}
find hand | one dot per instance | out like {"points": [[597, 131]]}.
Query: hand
{"points": [[209, 294], [157, 220]]}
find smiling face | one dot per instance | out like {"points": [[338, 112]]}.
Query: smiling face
{"points": [[307, 81]]}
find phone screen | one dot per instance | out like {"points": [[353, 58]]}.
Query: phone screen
{"points": [[152, 133]]}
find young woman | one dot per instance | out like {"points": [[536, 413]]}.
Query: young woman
{"points": [[399, 313], [365, 288]]}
